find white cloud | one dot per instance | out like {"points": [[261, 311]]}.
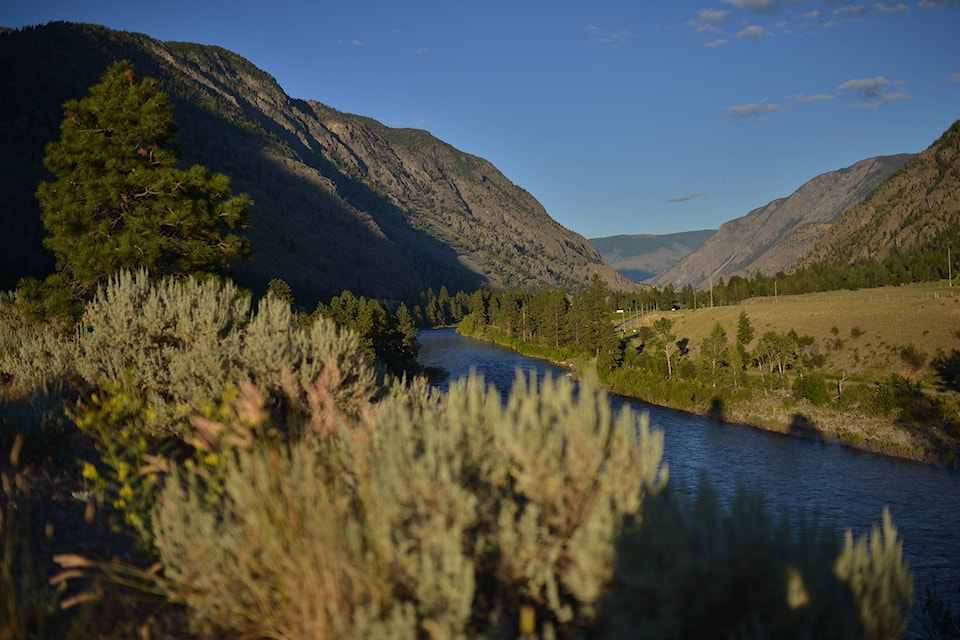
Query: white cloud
{"points": [[358, 43], [713, 44], [687, 196], [936, 4], [707, 20], [753, 32]]}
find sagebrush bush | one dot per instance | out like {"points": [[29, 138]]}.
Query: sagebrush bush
{"points": [[441, 514], [179, 343], [38, 357]]}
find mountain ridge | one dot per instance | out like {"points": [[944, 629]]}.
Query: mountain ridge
{"points": [[341, 200], [913, 206], [644, 256], [778, 235]]}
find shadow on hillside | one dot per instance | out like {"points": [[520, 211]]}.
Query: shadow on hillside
{"points": [[717, 409], [313, 238]]}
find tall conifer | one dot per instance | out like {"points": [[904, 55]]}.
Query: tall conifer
{"points": [[119, 200]]}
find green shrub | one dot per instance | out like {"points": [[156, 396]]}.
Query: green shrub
{"points": [[812, 387]]}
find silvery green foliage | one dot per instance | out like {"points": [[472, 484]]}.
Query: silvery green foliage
{"points": [[181, 342], [427, 503], [37, 356], [879, 578]]}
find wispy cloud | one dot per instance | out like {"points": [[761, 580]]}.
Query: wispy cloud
{"points": [[955, 78], [869, 88], [936, 4], [875, 91], [358, 43], [753, 32], [755, 110], [817, 97], [423, 50], [709, 20], [687, 196], [716, 43], [854, 10], [759, 6], [607, 36], [898, 8]]}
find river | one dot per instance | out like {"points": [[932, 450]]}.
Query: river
{"points": [[848, 487]]}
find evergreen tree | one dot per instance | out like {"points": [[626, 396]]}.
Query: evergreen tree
{"points": [[119, 201]]}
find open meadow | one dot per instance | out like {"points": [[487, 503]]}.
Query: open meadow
{"points": [[866, 334]]}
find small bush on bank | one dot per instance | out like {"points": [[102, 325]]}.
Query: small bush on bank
{"points": [[813, 387]]}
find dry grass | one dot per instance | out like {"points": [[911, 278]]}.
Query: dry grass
{"points": [[926, 316]]}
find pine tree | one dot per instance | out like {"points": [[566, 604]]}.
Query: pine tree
{"points": [[119, 200]]}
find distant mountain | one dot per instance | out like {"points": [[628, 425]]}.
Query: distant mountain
{"points": [[341, 201], [777, 236], [640, 257], [913, 208]]}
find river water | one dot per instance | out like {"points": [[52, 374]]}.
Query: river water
{"points": [[847, 487]]}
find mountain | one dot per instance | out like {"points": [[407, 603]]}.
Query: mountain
{"points": [[777, 236], [341, 201], [911, 209], [640, 257]]}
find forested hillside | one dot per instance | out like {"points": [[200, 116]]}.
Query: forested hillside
{"points": [[341, 201]]}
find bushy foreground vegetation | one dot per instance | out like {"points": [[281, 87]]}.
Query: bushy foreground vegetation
{"points": [[285, 489]]}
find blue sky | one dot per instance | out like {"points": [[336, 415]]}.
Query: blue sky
{"points": [[620, 116]]}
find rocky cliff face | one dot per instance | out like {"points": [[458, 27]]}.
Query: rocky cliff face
{"points": [[777, 236], [912, 207], [342, 201]]}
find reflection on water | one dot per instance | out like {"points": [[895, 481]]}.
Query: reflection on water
{"points": [[847, 487]]}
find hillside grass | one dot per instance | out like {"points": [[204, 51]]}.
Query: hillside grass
{"points": [[888, 319]]}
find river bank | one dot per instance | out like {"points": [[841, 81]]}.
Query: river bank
{"points": [[895, 436]]}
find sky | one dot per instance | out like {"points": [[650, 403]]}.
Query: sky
{"points": [[619, 116]]}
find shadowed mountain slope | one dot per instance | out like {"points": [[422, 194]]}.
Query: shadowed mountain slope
{"points": [[341, 201]]}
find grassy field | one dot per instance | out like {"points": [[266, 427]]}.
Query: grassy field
{"points": [[861, 333]]}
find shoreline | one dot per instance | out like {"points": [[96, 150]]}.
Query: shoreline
{"points": [[878, 435]]}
